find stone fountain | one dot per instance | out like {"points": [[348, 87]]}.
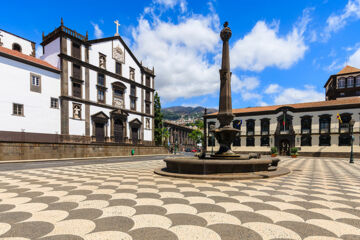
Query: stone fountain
{"points": [[224, 164]]}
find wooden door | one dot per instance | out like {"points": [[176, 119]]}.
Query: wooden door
{"points": [[99, 132], [118, 131], [284, 147], [135, 136]]}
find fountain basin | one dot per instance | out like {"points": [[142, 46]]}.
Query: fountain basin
{"points": [[215, 168]]}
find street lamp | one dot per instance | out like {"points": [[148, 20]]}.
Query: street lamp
{"points": [[352, 122]]}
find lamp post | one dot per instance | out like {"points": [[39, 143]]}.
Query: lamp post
{"points": [[352, 122]]}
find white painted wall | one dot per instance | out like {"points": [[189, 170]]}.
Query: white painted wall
{"points": [[38, 116], [9, 39], [51, 52]]}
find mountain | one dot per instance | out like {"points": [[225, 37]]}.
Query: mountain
{"points": [[176, 112]]}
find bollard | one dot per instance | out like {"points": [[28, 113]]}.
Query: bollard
{"points": [[132, 152]]}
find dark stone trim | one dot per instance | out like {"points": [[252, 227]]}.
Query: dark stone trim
{"points": [[70, 98], [77, 80], [28, 62], [104, 71]]}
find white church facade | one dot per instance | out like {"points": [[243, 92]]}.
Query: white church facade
{"points": [[80, 91]]}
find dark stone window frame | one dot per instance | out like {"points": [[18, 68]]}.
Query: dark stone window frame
{"points": [[265, 126], [118, 68], [79, 83], [118, 86], [54, 103], [250, 127], [147, 81], [35, 87], [324, 137], [76, 50], [306, 123], [237, 140], [148, 108], [18, 110], [76, 71]]}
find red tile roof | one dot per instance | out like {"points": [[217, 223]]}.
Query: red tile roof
{"points": [[348, 69], [27, 58], [340, 101]]}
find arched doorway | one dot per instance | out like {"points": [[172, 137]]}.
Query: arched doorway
{"points": [[284, 148], [135, 126], [100, 121]]}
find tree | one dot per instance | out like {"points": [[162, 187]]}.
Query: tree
{"points": [[158, 120], [196, 135]]}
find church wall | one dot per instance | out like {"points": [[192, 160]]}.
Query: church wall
{"points": [[51, 52], [36, 105], [9, 39], [76, 126]]}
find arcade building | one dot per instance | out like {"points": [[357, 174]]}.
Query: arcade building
{"points": [[312, 127]]}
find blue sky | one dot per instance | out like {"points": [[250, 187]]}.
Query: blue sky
{"points": [[281, 51]]}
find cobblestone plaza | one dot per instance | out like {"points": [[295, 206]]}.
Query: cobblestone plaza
{"points": [[318, 200]]}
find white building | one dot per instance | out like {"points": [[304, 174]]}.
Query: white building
{"points": [[80, 91], [313, 127]]}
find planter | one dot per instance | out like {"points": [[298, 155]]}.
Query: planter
{"points": [[293, 156], [273, 155]]}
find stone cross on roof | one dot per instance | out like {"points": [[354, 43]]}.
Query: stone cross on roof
{"points": [[117, 27]]}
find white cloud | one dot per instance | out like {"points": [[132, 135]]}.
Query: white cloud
{"points": [[179, 53], [272, 88], [354, 59], [337, 22], [292, 95], [98, 33], [263, 47], [39, 51], [172, 4], [245, 86]]}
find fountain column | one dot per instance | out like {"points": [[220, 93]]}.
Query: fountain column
{"points": [[225, 134]]}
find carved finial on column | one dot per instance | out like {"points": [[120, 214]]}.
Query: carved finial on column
{"points": [[62, 22], [87, 35]]}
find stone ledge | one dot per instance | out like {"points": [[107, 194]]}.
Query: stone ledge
{"points": [[227, 176]]}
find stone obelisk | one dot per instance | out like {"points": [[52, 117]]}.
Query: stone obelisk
{"points": [[225, 134]]}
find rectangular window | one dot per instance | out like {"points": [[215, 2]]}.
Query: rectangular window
{"points": [[76, 90], [250, 127], [132, 103], [76, 71], [358, 81], [118, 69], [341, 83], [265, 141], [18, 109], [148, 81], [76, 50], [237, 141], [147, 108], [101, 80], [118, 100], [132, 74], [35, 83], [250, 141], [211, 141], [147, 98], [265, 125], [54, 103], [350, 82], [133, 91], [101, 95]]}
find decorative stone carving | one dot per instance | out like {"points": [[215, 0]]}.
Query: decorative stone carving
{"points": [[118, 53], [118, 102], [102, 61], [77, 111]]}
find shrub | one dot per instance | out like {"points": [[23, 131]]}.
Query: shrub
{"points": [[273, 150], [294, 151]]}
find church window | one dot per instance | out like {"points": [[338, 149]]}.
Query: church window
{"points": [[147, 81], [101, 95], [54, 103], [16, 47], [132, 74], [76, 111], [101, 80], [358, 81], [133, 91], [76, 71], [350, 82], [118, 68], [341, 82], [147, 108], [133, 103], [35, 83], [76, 89], [75, 51], [18, 109]]}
